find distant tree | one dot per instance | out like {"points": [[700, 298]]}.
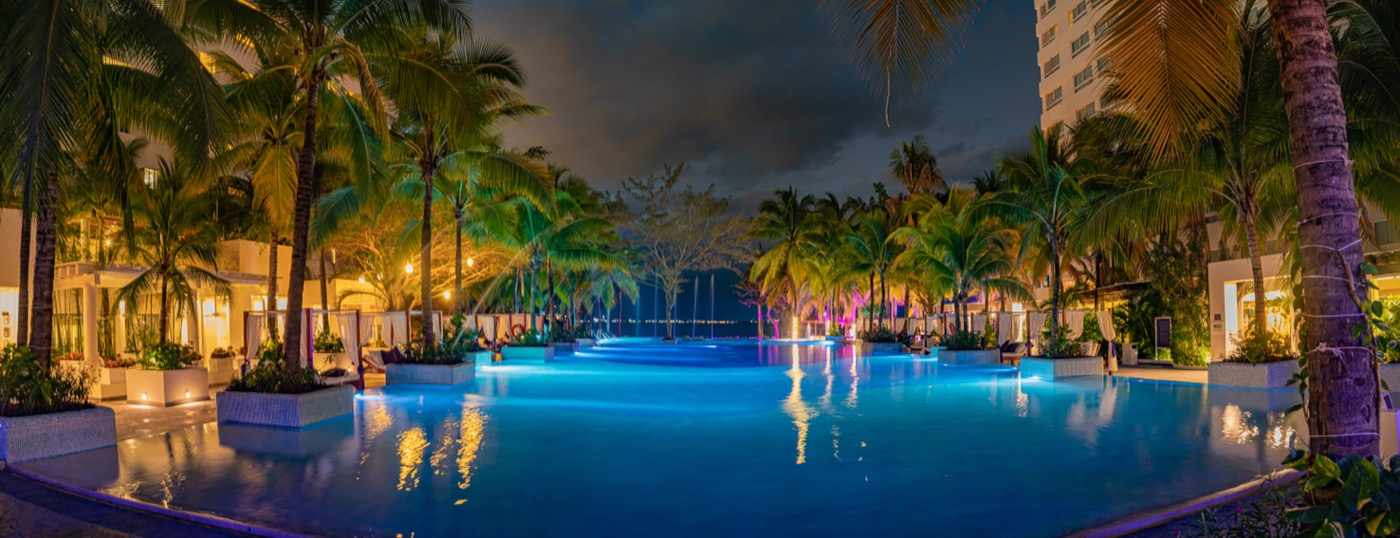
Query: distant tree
{"points": [[675, 229]]}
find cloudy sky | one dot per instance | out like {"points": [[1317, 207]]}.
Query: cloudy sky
{"points": [[755, 95]]}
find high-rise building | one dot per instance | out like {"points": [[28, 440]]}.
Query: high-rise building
{"points": [[1071, 59]]}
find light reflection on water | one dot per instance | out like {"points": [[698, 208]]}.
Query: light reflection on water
{"points": [[721, 446]]}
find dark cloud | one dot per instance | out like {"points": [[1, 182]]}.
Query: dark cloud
{"points": [[755, 94]]}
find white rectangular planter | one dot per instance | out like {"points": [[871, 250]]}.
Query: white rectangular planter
{"points": [[586, 342], [167, 387], [220, 371], [110, 384], [285, 410], [968, 356], [430, 374], [55, 434], [1052, 369], [1243, 374], [565, 348], [528, 353]]}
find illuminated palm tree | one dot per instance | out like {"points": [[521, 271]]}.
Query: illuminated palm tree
{"points": [[786, 221]]}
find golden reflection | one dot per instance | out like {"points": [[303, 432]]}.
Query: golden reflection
{"points": [[853, 397], [1281, 434], [798, 410], [473, 432], [1235, 425], [1023, 400], [830, 382], [412, 443], [446, 432]]}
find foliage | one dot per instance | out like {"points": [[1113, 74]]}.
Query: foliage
{"points": [[1090, 330], [28, 387], [326, 342], [1259, 349], [880, 335], [1353, 497], [454, 347], [119, 361], [532, 338], [271, 352], [168, 356], [271, 378], [1178, 284], [221, 353], [964, 340], [1058, 345], [1132, 321]]}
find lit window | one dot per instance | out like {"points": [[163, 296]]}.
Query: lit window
{"points": [[1052, 65], [1046, 8], [1083, 78], [1054, 98], [148, 177]]}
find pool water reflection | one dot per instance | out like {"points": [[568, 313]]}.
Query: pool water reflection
{"points": [[656, 440]]}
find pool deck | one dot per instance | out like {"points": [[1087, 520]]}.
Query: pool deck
{"points": [[28, 508], [1159, 373]]}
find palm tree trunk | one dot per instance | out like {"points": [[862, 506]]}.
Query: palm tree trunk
{"points": [[1256, 269], [46, 239], [325, 292], [1054, 288], [26, 232], [1343, 382], [458, 301], [906, 309], [549, 313], [271, 287], [695, 308], [164, 309], [871, 302], [301, 216], [425, 256]]}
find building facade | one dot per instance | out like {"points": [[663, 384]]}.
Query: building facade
{"points": [[1071, 59]]}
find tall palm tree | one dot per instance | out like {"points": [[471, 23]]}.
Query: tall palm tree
{"points": [[334, 41], [79, 73], [175, 240], [786, 221], [873, 250], [1047, 199], [915, 166]]}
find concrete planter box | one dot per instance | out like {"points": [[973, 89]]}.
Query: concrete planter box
{"points": [[528, 353], [55, 434], [326, 361], [1242, 374], [285, 410], [879, 348], [1390, 375], [585, 342], [110, 384], [968, 356], [484, 356], [430, 374], [319, 439], [565, 348], [220, 371], [167, 387], [1052, 369]]}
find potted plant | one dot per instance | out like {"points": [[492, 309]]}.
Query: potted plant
{"points": [[1060, 356], [880, 340], [328, 349], [271, 394], [450, 361], [564, 341], [1260, 361], [530, 344], [44, 410], [167, 375], [583, 337], [220, 365], [967, 347], [110, 381]]}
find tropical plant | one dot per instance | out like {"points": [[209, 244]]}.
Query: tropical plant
{"points": [[327, 342], [873, 249], [271, 378], [964, 340], [175, 240], [785, 223], [532, 338], [1261, 349], [1351, 497], [28, 386], [168, 356], [915, 167]]}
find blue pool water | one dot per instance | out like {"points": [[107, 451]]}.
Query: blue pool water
{"points": [[723, 438]]}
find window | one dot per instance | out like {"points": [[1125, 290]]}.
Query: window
{"points": [[1103, 65], [1101, 28], [1104, 103], [1084, 112], [148, 177], [1083, 78], [1047, 37], [1054, 98], [1079, 45], [1046, 8], [1079, 11], [1051, 66]]}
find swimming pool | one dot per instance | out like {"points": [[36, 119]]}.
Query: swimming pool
{"points": [[722, 438]]}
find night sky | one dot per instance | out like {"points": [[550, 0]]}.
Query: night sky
{"points": [[756, 95]]}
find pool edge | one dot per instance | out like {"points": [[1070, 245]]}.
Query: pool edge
{"points": [[133, 505], [1156, 517]]}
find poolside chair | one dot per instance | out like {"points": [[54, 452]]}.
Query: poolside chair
{"points": [[1012, 351]]}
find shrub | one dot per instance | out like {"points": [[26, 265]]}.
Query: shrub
{"points": [[72, 356], [964, 341], [118, 362], [1058, 345], [531, 338], [564, 337], [221, 353], [835, 330], [1259, 349], [29, 388], [452, 348], [1089, 332], [272, 378], [880, 335], [168, 356], [271, 353], [1353, 497], [328, 343]]}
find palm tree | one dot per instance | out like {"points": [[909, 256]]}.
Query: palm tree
{"points": [[873, 251], [70, 77], [335, 40], [175, 240], [786, 221], [914, 165], [1047, 199]]}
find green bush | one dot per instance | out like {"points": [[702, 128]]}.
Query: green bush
{"points": [[1089, 331], [531, 338], [328, 343], [1257, 349], [1058, 345], [453, 348], [168, 356], [835, 330], [964, 341], [880, 335], [1354, 497], [272, 378], [29, 388], [271, 353]]}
